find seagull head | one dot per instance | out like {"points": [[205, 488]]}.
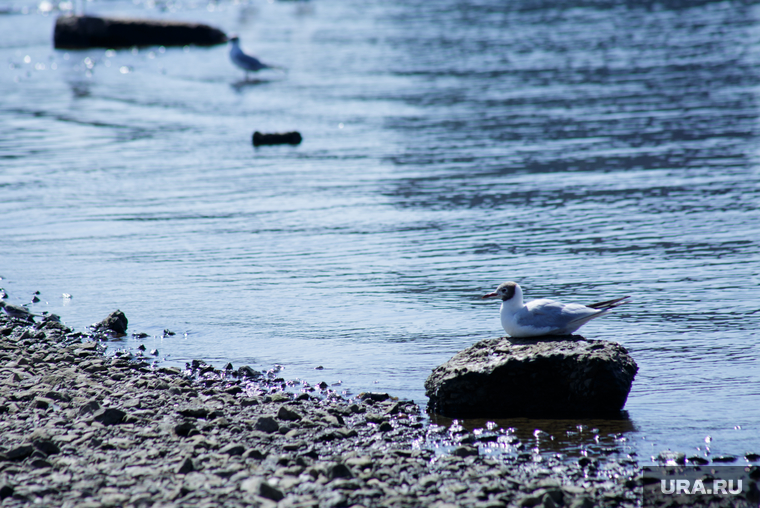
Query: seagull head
{"points": [[506, 291], [234, 39]]}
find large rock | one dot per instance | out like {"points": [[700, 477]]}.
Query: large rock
{"points": [[553, 377], [116, 322], [80, 32]]}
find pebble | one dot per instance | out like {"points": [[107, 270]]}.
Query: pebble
{"points": [[87, 430]]}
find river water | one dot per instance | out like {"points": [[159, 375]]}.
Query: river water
{"points": [[586, 152]]}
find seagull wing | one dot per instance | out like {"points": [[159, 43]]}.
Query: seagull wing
{"points": [[551, 315], [246, 62]]}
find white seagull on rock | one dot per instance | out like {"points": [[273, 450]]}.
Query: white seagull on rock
{"points": [[545, 317], [246, 62]]}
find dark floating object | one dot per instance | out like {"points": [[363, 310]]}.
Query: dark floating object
{"points": [[80, 32], [285, 138]]}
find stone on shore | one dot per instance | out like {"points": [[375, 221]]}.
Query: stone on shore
{"points": [[115, 322], [81, 32], [553, 377]]}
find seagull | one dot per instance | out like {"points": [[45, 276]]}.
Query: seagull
{"points": [[545, 317], [246, 62], [17, 312]]}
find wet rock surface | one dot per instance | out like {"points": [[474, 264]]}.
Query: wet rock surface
{"points": [[83, 429], [545, 377], [80, 32]]}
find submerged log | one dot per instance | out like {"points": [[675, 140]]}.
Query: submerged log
{"points": [[285, 138], [550, 377], [81, 32]]}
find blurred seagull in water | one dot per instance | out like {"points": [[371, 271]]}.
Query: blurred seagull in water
{"points": [[246, 62], [545, 317]]}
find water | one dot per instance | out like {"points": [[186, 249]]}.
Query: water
{"points": [[586, 152]]}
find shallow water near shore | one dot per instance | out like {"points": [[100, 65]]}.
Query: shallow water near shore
{"points": [[587, 153]]}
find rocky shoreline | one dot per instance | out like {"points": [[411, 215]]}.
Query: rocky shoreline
{"points": [[81, 429]]}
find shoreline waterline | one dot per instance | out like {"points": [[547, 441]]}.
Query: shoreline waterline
{"points": [[85, 429]]}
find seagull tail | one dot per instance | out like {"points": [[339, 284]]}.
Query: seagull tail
{"points": [[603, 308], [277, 68], [610, 304], [577, 323]]}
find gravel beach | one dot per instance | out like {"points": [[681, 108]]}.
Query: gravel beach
{"points": [[83, 429]]}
